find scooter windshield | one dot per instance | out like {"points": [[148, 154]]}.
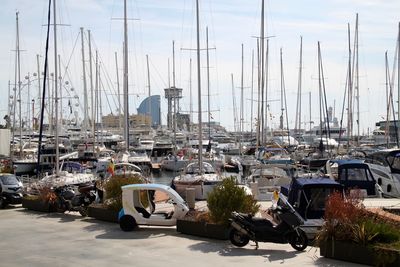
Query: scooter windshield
{"points": [[284, 203]]}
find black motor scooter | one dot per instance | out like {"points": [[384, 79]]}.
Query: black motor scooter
{"points": [[67, 200], [246, 227]]}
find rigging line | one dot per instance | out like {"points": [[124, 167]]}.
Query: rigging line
{"points": [[141, 52], [101, 88], [286, 111], [109, 31], [68, 74], [44, 90], [391, 85], [326, 104], [154, 67], [394, 118], [108, 84], [344, 103], [180, 63], [216, 80], [105, 71], [181, 41], [135, 63], [70, 57]]}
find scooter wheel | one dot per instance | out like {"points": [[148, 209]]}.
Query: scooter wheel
{"points": [[3, 203], [238, 239], [127, 223], [83, 211], [299, 241]]}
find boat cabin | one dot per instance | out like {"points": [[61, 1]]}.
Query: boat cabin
{"points": [[354, 175]]}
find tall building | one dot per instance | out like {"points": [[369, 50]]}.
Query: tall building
{"points": [[150, 106]]}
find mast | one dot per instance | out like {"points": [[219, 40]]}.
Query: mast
{"points": [[398, 72], [85, 96], [50, 103], [59, 69], [234, 106], [309, 103], [19, 91], [350, 96], [8, 102], [91, 87], [357, 86], [262, 72], [38, 77], [259, 114], [282, 108], [118, 92], [28, 104], [266, 90], [173, 85], [17, 82], [208, 91], [191, 96], [387, 79], [252, 89], [100, 104], [148, 83], [241, 106], [297, 127], [199, 89], [96, 93], [43, 100], [169, 115], [320, 92], [56, 91], [126, 87]]}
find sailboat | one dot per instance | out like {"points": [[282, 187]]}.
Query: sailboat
{"points": [[60, 178], [199, 175]]}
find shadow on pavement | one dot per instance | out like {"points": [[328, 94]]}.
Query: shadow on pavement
{"points": [[225, 249], [112, 231], [63, 217]]}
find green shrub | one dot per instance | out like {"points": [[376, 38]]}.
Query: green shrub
{"points": [[113, 191], [385, 233], [228, 197]]}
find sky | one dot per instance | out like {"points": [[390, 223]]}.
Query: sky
{"points": [[154, 24]]}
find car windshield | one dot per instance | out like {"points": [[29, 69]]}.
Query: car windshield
{"points": [[9, 180]]}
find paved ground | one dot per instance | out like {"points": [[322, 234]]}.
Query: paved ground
{"points": [[40, 239]]}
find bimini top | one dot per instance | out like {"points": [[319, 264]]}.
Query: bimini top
{"points": [[314, 182]]}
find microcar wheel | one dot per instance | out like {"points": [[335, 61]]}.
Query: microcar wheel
{"points": [[127, 223], [299, 241], [238, 239]]}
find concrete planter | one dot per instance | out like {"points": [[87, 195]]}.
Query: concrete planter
{"points": [[103, 214], [37, 205], [356, 253], [203, 229]]}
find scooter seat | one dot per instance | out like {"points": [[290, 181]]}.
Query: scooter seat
{"points": [[85, 189], [261, 222]]}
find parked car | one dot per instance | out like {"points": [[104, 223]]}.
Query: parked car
{"points": [[150, 204], [10, 190]]}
